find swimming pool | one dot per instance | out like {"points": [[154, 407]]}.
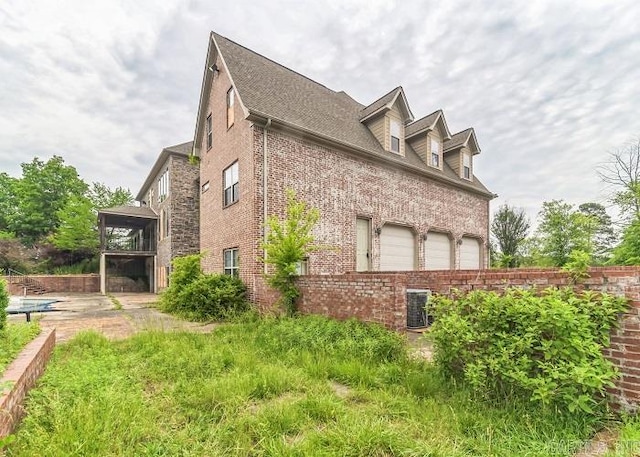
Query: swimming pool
{"points": [[26, 306]]}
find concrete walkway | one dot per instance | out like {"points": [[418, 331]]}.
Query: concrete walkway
{"points": [[78, 312]]}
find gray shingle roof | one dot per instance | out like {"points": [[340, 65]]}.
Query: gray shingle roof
{"points": [[134, 211], [270, 90], [379, 103], [458, 139], [183, 149], [421, 124]]}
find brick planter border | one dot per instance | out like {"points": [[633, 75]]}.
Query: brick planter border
{"points": [[20, 376]]}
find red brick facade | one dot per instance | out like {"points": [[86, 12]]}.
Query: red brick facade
{"points": [[89, 283], [343, 186]]}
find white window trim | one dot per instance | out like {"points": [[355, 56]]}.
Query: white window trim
{"points": [[439, 153], [466, 164], [395, 127], [234, 268], [234, 185]]}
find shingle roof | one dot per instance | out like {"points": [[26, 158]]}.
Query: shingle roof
{"points": [[458, 139], [379, 103], [133, 211], [182, 148], [270, 90], [422, 124]]}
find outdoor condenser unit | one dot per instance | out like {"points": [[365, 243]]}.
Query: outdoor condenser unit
{"points": [[417, 301]]}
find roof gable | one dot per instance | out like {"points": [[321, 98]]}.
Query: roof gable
{"points": [[466, 138], [182, 149], [385, 103], [427, 124]]}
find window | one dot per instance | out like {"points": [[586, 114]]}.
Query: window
{"points": [[164, 224], [163, 186], [231, 96], [209, 132], [231, 262], [466, 166], [302, 267], [205, 187], [395, 135], [435, 153], [231, 187]]}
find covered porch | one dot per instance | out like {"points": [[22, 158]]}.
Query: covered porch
{"points": [[128, 248]]}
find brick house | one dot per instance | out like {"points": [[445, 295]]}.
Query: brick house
{"points": [[394, 193], [164, 226]]}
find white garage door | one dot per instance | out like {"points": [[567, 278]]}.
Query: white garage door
{"points": [[469, 254], [397, 248], [437, 251]]}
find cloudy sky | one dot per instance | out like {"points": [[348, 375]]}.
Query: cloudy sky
{"points": [[549, 86]]}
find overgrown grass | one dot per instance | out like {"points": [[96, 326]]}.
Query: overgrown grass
{"points": [[289, 387], [13, 339]]}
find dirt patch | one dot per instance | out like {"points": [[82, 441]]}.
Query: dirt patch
{"points": [[340, 390]]}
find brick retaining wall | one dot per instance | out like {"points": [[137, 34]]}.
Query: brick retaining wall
{"points": [[20, 376], [381, 297], [58, 283]]}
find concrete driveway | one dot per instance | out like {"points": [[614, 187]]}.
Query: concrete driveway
{"points": [[77, 312]]}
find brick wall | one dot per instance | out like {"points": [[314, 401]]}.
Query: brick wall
{"points": [[20, 376], [59, 283], [381, 297]]}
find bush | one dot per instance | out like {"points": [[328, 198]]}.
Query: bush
{"points": [[4, 302], [213, 297], [198, 296], [546, 348]]}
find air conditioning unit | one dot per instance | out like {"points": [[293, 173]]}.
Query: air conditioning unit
{"points": [[417, 302]]}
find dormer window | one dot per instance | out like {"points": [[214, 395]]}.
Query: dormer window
{"points": [[435, 153], [466, 165], [395, 135]]}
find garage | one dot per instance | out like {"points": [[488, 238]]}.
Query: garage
{"points": [[469, 253], [397, 248], [437, 251]]}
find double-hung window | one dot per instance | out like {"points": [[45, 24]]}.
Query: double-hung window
{"points": [[231, 262], [435, 153], [466, 166], [231, 186], [209, 132], [394, 128]]}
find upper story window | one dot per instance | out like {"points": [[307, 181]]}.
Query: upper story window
{"points": [[435, 153], [394, 128], [231, 262], [231, 185], [164, 224], [231, 100], [205, 187], [466, 165], [163, 186], [209, 132]]}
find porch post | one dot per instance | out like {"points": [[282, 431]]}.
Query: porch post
{"points": [[103, 274]]}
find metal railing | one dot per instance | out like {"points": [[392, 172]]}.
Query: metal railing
{"points": [[17, 277]]}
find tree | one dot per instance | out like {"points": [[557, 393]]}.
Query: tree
{"points": [[287, 243], [628, 251], [7, 200], [102, 196], [509, 227], [43, 190], [563, 230], [604, 236], [78, 230], [621, 172]]}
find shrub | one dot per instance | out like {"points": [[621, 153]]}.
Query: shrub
{"points": [[547, 348], [4, 302], [213, 297], [200, 296], [186, 269]]}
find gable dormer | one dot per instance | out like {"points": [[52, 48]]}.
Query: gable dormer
{"points": [[427, 137], [386, 119], [459, 152]]}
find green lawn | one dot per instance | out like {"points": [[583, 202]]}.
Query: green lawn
{"points": [[13, 339], [284, 387]]}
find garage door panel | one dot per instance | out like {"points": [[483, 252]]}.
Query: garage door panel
{"points": [[397, 248], [469, 253], [437, 251]]}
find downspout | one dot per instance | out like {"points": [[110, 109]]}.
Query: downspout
{"points": [[265, 172]]}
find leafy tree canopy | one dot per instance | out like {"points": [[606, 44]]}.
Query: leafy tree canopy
{"points": [[509, 228]]}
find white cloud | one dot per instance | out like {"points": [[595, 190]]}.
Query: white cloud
{"points": [[549, 86]]}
